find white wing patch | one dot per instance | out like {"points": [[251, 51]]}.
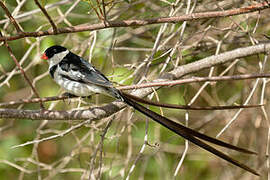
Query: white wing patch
{"points": [[76, 74]]}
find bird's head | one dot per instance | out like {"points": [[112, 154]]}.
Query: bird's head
{"points": [[55, 54]]}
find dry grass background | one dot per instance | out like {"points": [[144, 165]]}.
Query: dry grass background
{"points": [[126, 145]]}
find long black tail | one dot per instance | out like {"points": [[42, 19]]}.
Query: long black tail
{"points": [[192, 136]]}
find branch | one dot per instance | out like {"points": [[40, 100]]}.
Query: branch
{"points": [[217, 60], [193, 80], [91, 114], [47, 16], [34, 100], [159, 84], [35, 11], [13, 21], [129, 23], [97, 113]]}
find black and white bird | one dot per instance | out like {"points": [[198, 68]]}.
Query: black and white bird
{"points": [[78, 77]]}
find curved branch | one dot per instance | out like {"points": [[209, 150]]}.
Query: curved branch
{"points": [[128, 23], [92, 114]]}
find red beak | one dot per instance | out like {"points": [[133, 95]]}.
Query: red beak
{"points": [[44, 57]]}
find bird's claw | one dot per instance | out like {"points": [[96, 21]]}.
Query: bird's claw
{"points": [[68, 95]]}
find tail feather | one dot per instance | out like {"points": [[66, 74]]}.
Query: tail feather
{"points": [[192, 136]]}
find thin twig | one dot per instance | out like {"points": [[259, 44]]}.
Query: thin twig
{"points": [[16, 166], [13, 21], [34, 100], [47, 16], [195, 79], [63, 133], [99, 148], [35, 11]]}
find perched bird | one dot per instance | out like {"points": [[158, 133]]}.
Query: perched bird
{"points": [[78, 77]]}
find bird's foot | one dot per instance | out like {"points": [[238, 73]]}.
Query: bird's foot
{"points": [[68, 95]]}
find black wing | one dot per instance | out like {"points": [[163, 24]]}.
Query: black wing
{"points": [[79, 69]]}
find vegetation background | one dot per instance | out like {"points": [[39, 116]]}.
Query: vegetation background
{"points": [[127, 145]]}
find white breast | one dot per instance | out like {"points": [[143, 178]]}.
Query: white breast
{"points": [[78, 88]]}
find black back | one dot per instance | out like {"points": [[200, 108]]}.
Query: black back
{"points": [[76, 63]]}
